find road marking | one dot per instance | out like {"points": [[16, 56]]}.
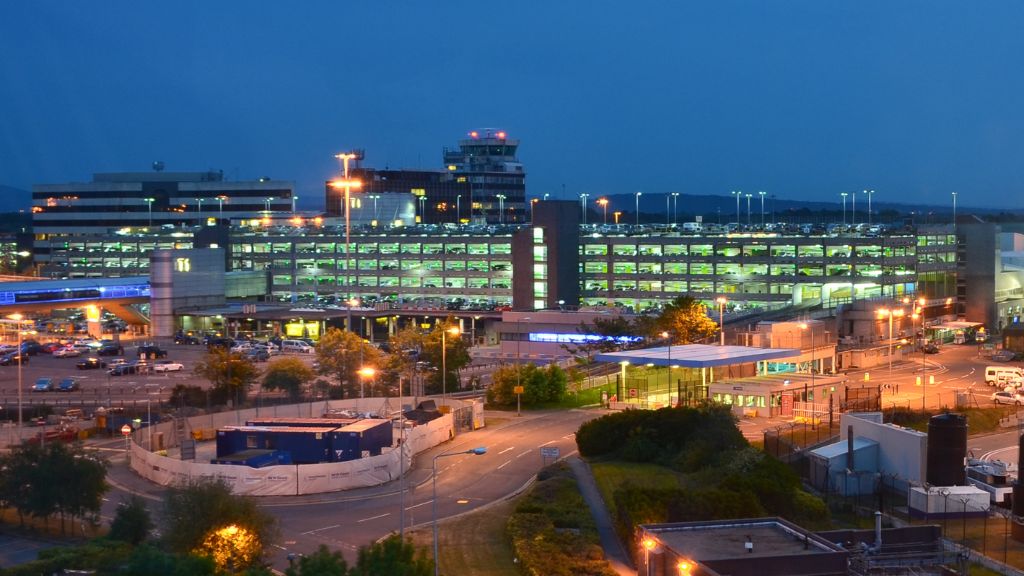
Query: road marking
{"points": [[373, 518], [569, 436], [548, 442], [418, 505], [503, 465], [510, 448], [524, 453], [278, 546], [319, 529]]}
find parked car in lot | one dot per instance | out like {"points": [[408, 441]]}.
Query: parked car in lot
{"points": [[66, 353], [13, 358], [123, 370], [68, 385], [43, 385], [167, 366], [51, 347], [930, 349], [1004, 397], [110, 350], [150, 351], [90, 363], [257, 354], [186, 339]]}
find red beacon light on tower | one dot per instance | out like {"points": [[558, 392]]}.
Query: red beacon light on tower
{"points": [[474, 134], [501, 135]]}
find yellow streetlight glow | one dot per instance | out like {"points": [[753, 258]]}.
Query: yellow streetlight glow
{"points": [[367, 372], [649, 543]]}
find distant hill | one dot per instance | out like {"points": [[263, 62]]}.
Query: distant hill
{"points": [[13, 199]]}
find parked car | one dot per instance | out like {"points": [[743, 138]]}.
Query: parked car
{"points": [[90, 363], [110, 350], [186, 339], [930, 349], [31, 347], [13, 358], [68, 385], [150, 351], [167, 366], [43, 385], [258, 354], [51, 347], [1004, 397], [66, 353], [122, 370]]}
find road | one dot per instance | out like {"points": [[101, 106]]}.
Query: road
{"points": [[347, 520]]}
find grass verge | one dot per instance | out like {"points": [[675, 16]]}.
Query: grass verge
{"points": [[610, 475]]}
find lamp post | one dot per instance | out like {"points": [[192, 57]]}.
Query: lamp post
{"points": [[890, 313], [533, 202], [649, 544], [294, 200], [853, 195], [806, 326], [220, 206], [200, 202], [748, 208], [423, 209], [519, 339], [954, 211], [679, 392], [480, 451], [762, 194], [347, 184], [17, 317], [583, 206], [638, 195], [738, 194], [365, 373], [721, 300], [454, 331], [266, 204], [870, 193], [603, 202], [501, 208], [458, 208], [844, 194], [149, 202], [675, 208], [668, 210], [617, 215]]}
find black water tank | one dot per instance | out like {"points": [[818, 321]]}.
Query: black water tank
{"points": [[947, 449]]}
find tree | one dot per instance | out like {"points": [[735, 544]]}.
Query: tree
{"points": [[341, 354], [392, 557], [200, 515], [288, 374], [686, 321], [455, 357], [132, 523], [540, 385], [323, 562], [185, 395], [229, 372]]}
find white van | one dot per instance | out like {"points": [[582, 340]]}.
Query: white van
{"points": [[296, 346], [997, 374]]}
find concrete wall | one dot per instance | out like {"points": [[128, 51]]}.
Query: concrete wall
{"points": [[902, 451]]}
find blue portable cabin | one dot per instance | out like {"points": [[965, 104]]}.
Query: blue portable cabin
{"points": [[305, 445], [371, 435], [255, 458]]}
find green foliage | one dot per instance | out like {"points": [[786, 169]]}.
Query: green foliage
{"points": [[323, 562], [688, 437], [611, 330], [552, 530], [686, 321], [103, 556], [540, 385], [229, 372], [392, 557], [148, 560], [289, 374], [57, 478], [456, 356], [193, 511], [132, 523], [185, 395], [340, 354]]}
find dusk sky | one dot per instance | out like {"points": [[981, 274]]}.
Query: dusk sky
{"points": [[801, 98]]}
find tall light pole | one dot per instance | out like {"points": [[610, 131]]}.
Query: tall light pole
{"points": [[454, 331], [870, 193], [954, 211], [423, 209], [890, 313], [401, 464], [844, 194], [762, 194], [519, 339], [150, 201], [638, 195], [583, 207], [266, 203], [376, 197], [200, 202], [294, 199], [721, 300], [17, 317], [738, 194], [748, 208], [458, 208], [346, 183], [679, 393], [533, 202], [668, 210], [603, 202], [675, 208], [365, 373], [501, 208], [220, 206], [854, 208], [476, 452]]}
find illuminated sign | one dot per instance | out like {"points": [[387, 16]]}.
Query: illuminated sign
{"points": [[580, 338], [182, 264]]}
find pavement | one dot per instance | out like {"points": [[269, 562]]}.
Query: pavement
{"points": [[614, 553]]}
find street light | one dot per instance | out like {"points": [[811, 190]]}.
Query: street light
{"points": [[679, 392], [501, 208], [738, 194], [150, 201], [347, 184], [476, 452], [266, 203], [294, 199], [675, 208], [844, 195], [454, 331], [200, 202], [762, 194], [21, 358], [519, 339], [583, 206], [617, 214], [870, 193], [890, 313], [954, 211], [603, 202], [365, 373], [458, 208], [721, 300], [649, 544], [638, 195], [748, 208], [220, 206], [806, 326]]}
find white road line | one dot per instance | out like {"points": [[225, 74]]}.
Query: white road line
{"points": [[569, 436], [503, 465], [524, 453], [418, 505], [373, 517], [510, 448], [320, 529], [548, 442]]}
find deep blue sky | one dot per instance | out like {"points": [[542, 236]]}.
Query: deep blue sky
{"points": [[802, 98]]}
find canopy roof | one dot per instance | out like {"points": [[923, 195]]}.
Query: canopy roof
{"points": [[698, 355]]}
